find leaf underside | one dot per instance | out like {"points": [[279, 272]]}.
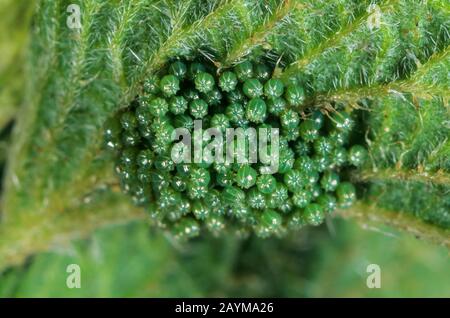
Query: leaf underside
{"points": [[59, 182]]}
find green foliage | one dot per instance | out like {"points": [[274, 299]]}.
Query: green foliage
{"points": [[341, 265], [131, 261], [16, 17], [396, 71]]}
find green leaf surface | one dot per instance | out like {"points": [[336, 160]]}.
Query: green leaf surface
{"points": [[16, 18], [394, 73], [131, 261]]}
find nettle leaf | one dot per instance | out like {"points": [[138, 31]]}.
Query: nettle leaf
{"points": [[387, 60], [17, 15]]}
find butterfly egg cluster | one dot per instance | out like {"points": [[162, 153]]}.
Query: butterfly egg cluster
{"points": [[186, 198]]}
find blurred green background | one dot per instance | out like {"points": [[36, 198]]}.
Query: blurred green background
{"points": [[331, 261], [134, 261]]}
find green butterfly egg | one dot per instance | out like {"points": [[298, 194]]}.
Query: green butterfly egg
{"points": [[294, 180], [240, 211], [179, 184], [278, 196], [184, 206], [346, 194], [274, 88], [200, 210], [169, 85], [151, 85], [225, 179], [316, 190], [235, 112], [146, 132], [311, 177], [301, 148], [342, 121], [252, 88], [323, 146], [215, 224], [290, 119], [222, 167], [179, 69], [256, 199], [256, 110], [160, 180], [276, 105], [178, 105], [295, 95], [145, 158], [305, 164], [191, 94], [308, 131], [158, 107], [286, 161], [220, 121], [170, 197], [302, 197], [328, 202], [128, 157], [287, 206], [186, 229], [127, 176], [164, 134], [195, 68], [329, 181], [131, 138], [204, 82], [160, 122], [291, 134], [160, 147], [184, 121], [262, 72], [266, 183], [322, 162], [246, 177], [128, 121], [213, 97], [112, 128], [198, 108], [338, 138], [196, 190], [184, 169], [141, 195], [200, 176], [212, 200], [233, 196], [236, 96], [357, 155], [271, 219], [296, 220], [228, 81], [164, 163], [339, 156], [143, 115], [317, 118], [244, 70], [314, 214]]}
